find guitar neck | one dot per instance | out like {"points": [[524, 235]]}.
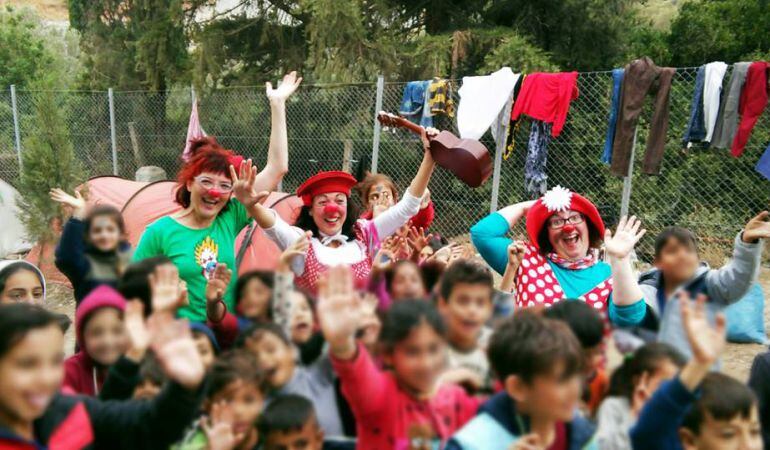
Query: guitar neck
{"points": [[411, 126]]}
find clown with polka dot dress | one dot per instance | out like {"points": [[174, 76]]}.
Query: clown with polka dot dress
{"points": [[562, 260]]}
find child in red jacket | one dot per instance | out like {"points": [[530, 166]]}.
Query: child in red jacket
{"points": [[398, 408], [101, 338]]}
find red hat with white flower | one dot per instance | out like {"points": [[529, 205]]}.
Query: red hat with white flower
{"points": [[556, 200], [325, 182]]}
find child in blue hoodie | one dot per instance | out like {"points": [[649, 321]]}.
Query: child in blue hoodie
{"points": [[699, 410], [539, 363]]}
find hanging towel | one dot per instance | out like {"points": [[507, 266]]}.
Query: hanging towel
{"points": [[763, 165], [617, 83], [535, 179], [727, 121], [481, 99], [194, 130], [440, 97], [752, 103], [414, 102], [642, 77], [546, 97], [696, 127], [712, 94]]}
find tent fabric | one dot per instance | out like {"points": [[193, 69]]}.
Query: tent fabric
{"points": [[13, 239]]}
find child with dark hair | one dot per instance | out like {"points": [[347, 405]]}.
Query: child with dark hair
{"points": [[150, 380], [277, 358], [697, 409], [759, 381], [21, 281], [631, 386], [465, 302], [678, 268], [135, 281], [589, 328], [290, 423], [37, 415], [253, 291], [396, 408], [404, 280], [205, 342], [233, 403], [539, 363], [101, 337], [93, 249]]}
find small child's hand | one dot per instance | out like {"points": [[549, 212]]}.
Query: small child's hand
{"points": [[168, 292], [218, 427], [757, 228], [136, 330], [218, 282], [339, 311], [418, 239], [175, 350], [76, 204], [515, 254], [706, 342], [297, 248]]}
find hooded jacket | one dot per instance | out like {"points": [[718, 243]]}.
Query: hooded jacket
{"points": [[497, 426], [85, 266], [723, 286], [82, 374], [6, 264]]}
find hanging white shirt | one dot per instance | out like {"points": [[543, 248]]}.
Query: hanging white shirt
{"points": [[481, 100], [350, 251], [712, 90]]}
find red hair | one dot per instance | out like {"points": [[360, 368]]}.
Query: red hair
{"points": [[207, 156]]}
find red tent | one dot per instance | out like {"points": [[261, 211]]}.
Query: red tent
{"points": [[142, 203]]}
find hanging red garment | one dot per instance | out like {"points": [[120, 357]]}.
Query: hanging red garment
{"points": [[546, 97], [752, 103]]}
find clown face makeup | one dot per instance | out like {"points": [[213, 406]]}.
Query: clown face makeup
{"points": [[380, 194], [568, 234], [209, 193], [329, 212]]}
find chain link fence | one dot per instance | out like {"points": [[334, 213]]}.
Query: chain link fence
{"points": [[332, 126]]}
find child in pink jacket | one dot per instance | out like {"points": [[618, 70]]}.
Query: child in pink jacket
{"points": [[406, 407]]}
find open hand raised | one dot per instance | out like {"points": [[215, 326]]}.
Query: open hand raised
{"points": [[339, 311], [757, 228], [288, 85], [626, 236], [76, 203]]}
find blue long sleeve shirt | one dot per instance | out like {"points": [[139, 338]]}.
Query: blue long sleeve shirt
{"points": [[489, 236], [660, 419]]}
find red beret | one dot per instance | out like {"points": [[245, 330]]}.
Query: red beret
{"points": [[325, 182], [556, 200]]}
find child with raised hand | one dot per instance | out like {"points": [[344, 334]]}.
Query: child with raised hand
{"points": [[92, 249], [392, 408], [37, 415], [234, 400], [697, 409], [539, 363], [290, 423], [631, 386]]}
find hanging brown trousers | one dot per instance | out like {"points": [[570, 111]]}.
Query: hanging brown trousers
{"points": [[642, 77]]}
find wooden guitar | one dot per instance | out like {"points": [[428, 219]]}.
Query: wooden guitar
{"points": [[467, 159]]}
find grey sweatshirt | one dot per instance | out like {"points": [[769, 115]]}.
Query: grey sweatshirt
{"points": [[722, 286]]}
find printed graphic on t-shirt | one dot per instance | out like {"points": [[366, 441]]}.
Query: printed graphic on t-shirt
{"points": [[420, 437], [206, 253]]}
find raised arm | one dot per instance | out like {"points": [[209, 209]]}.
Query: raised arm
{"points": [[278, 150], [625, 286], [489, 235]]}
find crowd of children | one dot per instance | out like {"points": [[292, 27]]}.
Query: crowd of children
{"points": [[372, 333]]}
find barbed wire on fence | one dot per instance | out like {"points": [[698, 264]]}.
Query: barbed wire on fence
{"points": [[703, 189]]}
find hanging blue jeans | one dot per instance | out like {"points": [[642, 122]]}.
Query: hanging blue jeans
{"points": [[413, 103], [617, 82], [763, 165], [696, 127], [535, 179]]}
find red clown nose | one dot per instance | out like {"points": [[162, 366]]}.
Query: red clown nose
{"points": [[568, 228], [214, 193], [331, 209]]}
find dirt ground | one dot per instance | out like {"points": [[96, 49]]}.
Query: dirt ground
{"points": [[736, 360]]}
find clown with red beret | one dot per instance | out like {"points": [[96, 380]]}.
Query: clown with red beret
{"points": [[562, 258], [329, 231]]}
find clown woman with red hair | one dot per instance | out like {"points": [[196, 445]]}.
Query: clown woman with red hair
{"points": [[216, 204]]}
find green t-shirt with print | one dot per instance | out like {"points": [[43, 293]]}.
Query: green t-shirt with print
{"points": [[195, 252]]}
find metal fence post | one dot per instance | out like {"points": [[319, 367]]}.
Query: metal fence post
{"points": [[113, 137], [16, 133], [377, 127], [499, 150], [625, 200]]}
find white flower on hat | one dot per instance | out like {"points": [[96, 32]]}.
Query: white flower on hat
{"points": [[557, 199]]}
